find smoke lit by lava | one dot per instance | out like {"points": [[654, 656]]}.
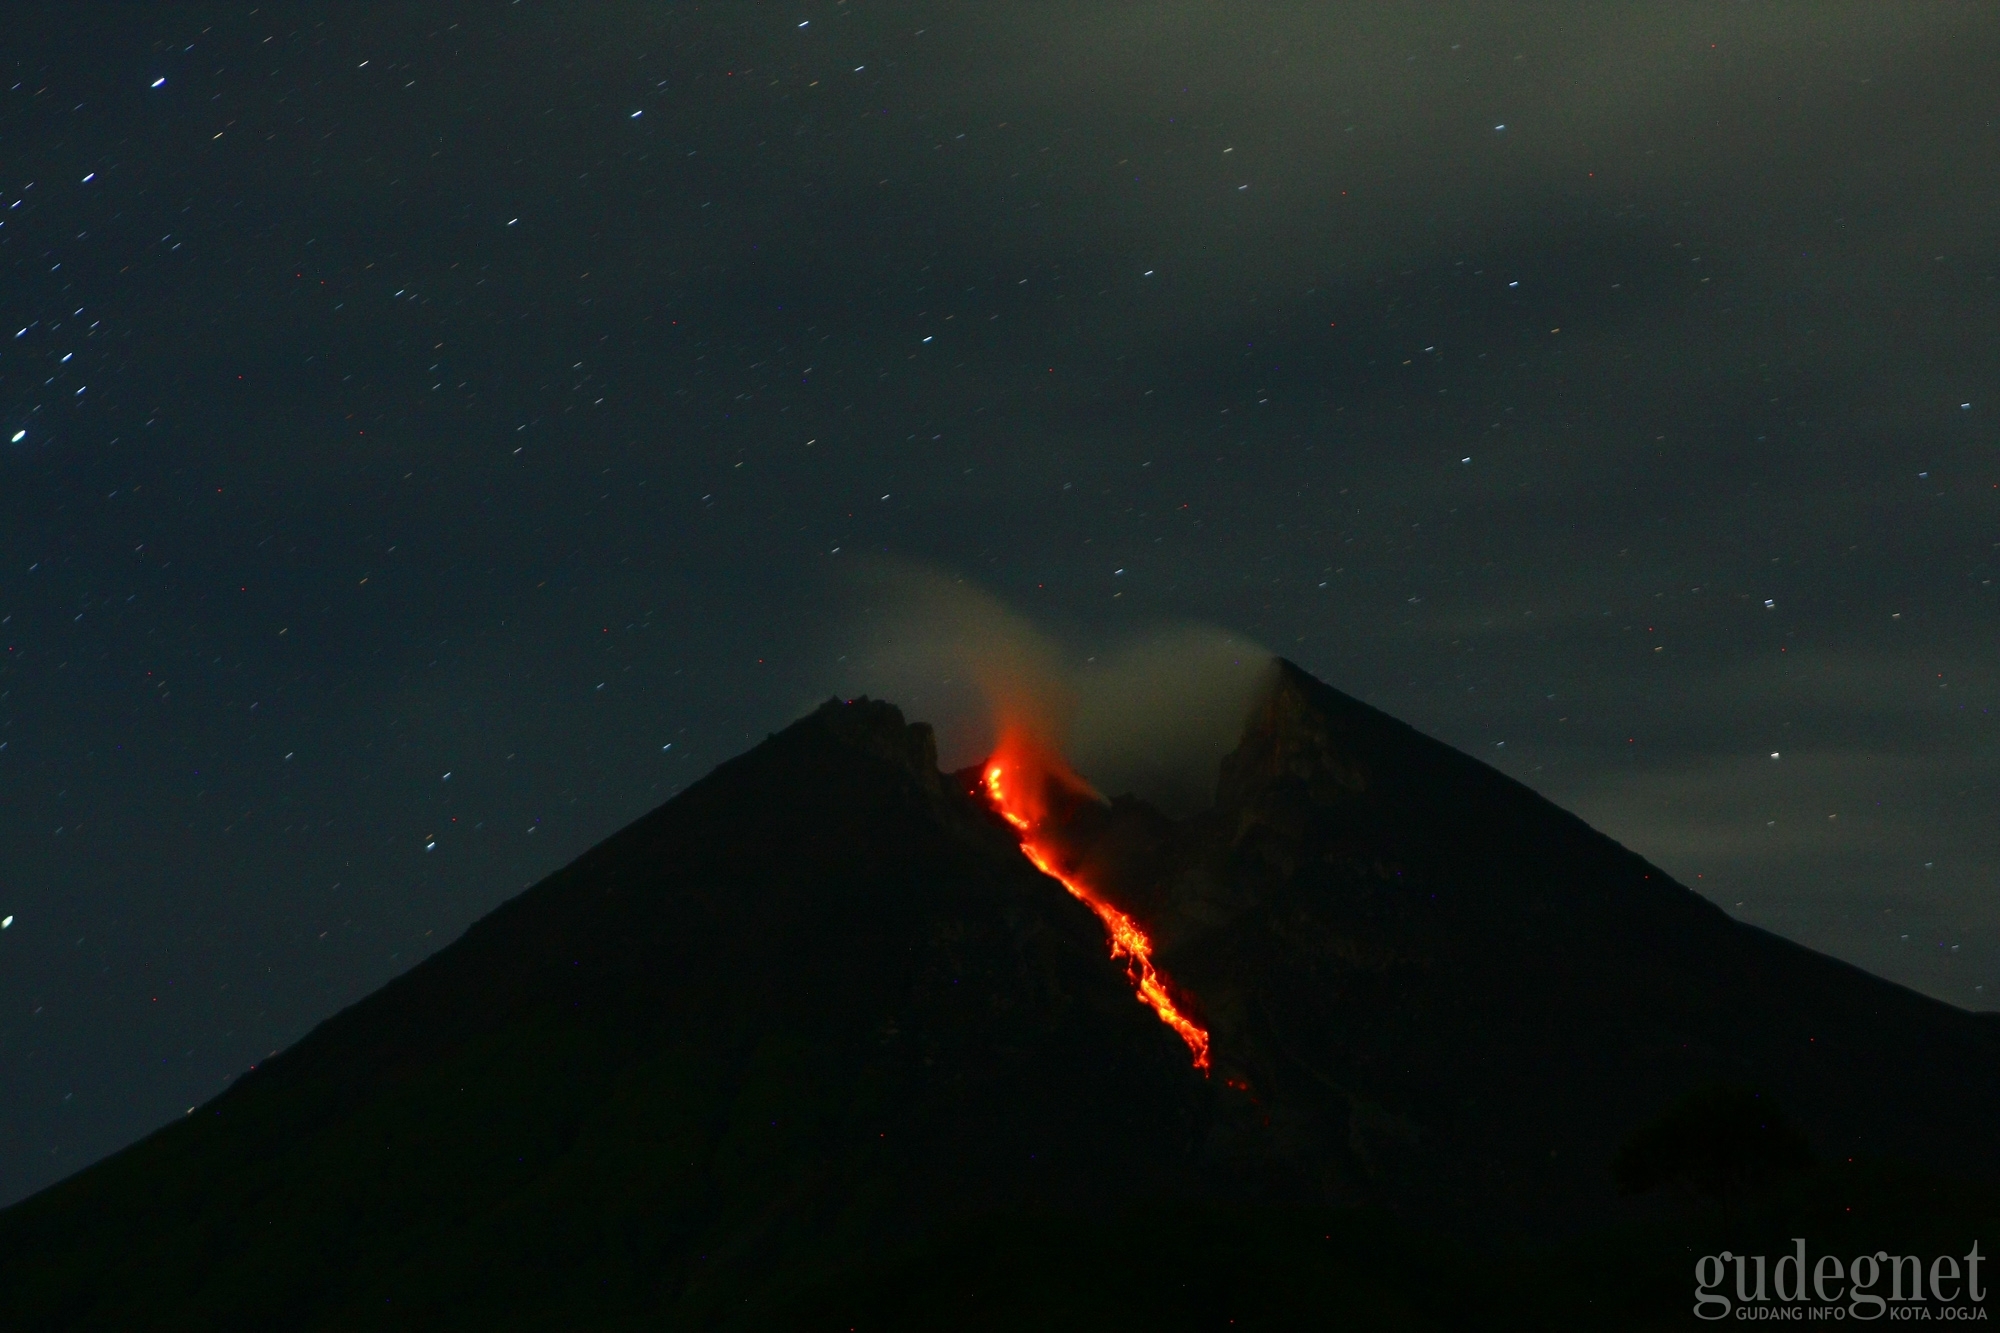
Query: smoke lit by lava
{"points": [[1020, 777], [1148, 711]]}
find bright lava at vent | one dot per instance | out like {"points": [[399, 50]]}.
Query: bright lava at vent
{"points": [[1022, 805]]}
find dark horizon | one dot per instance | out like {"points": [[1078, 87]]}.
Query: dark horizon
{"points": [[433, 440]]}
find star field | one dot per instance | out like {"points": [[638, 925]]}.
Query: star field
{"points": [[428, 440]]}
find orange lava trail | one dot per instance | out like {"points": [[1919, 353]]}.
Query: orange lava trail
{"points": [[1128, 941]]}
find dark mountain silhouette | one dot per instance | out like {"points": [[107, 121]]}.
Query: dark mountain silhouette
{"points": [[1458, 998], [813, 1045]]}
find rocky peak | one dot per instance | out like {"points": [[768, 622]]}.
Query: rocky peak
{"points": [[1296, 736], [878, 728]]}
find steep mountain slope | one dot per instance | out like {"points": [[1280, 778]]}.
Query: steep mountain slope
{"points": [[816, 1033], [808, 1005], [1458, 999]]}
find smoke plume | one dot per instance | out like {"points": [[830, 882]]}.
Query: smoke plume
{"points": [[1150, 714]]}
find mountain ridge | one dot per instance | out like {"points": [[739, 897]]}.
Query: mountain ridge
{"points": [[820, 1006]]}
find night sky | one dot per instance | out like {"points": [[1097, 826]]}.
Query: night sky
{"points": [[436, 434]]}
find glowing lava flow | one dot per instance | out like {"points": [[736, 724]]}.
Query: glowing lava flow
{"points": [[1128, 941]]}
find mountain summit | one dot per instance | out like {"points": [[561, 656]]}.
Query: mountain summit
{"points": [[820, 1010], [1458, 1000]]}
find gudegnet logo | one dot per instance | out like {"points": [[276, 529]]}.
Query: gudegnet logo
{"points": [[1868, 1286]]}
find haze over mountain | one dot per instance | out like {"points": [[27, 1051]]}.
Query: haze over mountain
{"points": [[819, 1010]]}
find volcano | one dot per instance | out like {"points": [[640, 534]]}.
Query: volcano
{"points": [[819, 1043]]}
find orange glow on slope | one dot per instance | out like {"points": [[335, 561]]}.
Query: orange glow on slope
{"points": [[1024, 804]]}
